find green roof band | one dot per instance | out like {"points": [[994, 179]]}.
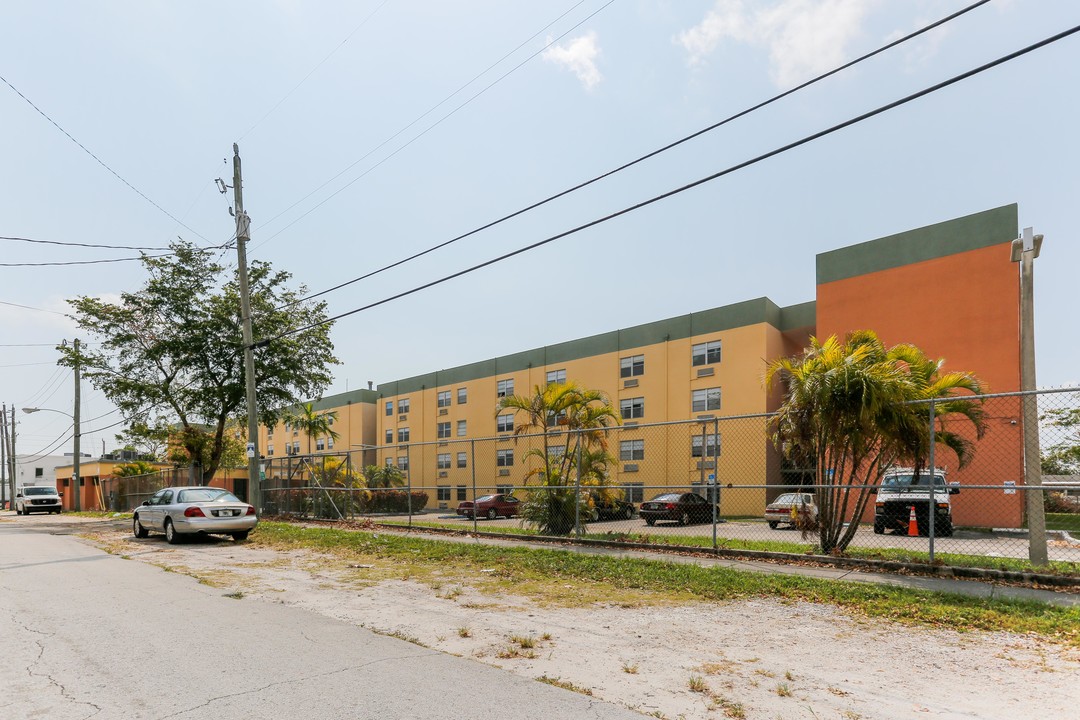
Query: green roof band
{"points": [[971, 232]]}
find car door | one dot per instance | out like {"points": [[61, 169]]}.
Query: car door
{"points": [[165, 505]]}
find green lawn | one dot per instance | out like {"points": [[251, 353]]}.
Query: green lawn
{"points": [[1063, 521]]}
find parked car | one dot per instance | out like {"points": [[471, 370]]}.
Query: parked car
{"points": [[491, 506], [784, 509], [41, 498], [683, 508], [179, 511], [607, 507]]}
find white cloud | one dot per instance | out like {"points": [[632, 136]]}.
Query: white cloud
{"points": [[803, 37], [579, 56]]}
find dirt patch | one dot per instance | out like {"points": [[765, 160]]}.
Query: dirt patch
{"points": [[757, 658]]}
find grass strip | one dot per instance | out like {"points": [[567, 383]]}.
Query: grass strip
{"points": [[539, 568]]}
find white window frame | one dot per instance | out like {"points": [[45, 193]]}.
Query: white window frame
{"points": [[705, 399], [632, 408], [631, 366], [631, 450], [706, 353]]}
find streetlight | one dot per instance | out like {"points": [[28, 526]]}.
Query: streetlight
{"points": [[77, 500]]}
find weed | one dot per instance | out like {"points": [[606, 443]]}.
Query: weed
{"points": [[451, 594], [764, 673], [629, 669], [838, 692], [464, 632], [731, 709], [565, 685], [524, 642], [788, 674], [715, 668], [546, 637], [697, 684], [783, 690], [512, 652], [238, 595]]}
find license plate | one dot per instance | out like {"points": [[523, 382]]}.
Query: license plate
{"points": [[225, 513]]}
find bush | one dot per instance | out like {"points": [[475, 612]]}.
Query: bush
{"points": [[394, 501], [1058, 502]]}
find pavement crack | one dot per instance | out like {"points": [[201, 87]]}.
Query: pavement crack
{"points": [[291, 681]]}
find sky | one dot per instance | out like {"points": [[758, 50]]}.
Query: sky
{"points": [[373, 129]]}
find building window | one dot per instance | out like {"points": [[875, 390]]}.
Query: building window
{"points": [[632, 366], [556, 451], [556, 377], [329, 419], [443, 398], [711, 442], [462, 396], [403, 406], [269, 432], [269, 450], [631, 450], [462, 428], [442, 461], [296, 447], [403, 435], [632, 408], [389, 407], [320, 444], [558, 418], [462, 460], [389, 436], [505, 489], [504, 458], [705, 353], [443, 493], [705, 400], [635, 492], [504, 423], [329, 443], [442, 430], [461, 492], [504, 388], [403, 463], [389, 462], [39, 472]]}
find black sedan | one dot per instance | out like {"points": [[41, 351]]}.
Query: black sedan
{"points": [[682, 508]]}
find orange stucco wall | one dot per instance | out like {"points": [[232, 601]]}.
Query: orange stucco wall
{"points": [[964, 308]]}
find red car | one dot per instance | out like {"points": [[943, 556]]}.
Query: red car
{"points": [[490, 506]]}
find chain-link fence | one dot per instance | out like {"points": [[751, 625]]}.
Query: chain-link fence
{"points": [[720, 482], [122, 494]]}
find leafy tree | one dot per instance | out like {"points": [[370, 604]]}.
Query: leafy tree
{"points": [[383, 476], [1063, 457], [147, 439], [573, 420], [175, 347], [311, 422], [195, 445], [850, 410]]}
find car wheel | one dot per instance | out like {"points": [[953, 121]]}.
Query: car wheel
{"points": [[650, 521], [594, 515], [629, 514], [879, 527], [684, 519], [18, 510], [171, 535], [137, 528], [240, 536], [773, 524], [492, 514]]}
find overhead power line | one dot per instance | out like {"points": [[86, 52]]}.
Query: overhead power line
{"points": [[28, 307], [97, 159], [78, 244], [647, 156], [79, 262], [709, 178], [312, 71], [428, 129]]}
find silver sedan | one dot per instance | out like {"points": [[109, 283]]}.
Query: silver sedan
{"points": [[179, 511]]}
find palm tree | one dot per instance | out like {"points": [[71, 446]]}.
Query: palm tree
{"points": [[312, 423], [853, 408], [575, 420]]}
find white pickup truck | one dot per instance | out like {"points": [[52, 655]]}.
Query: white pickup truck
{"points": [[901, 490], [40, 498]]}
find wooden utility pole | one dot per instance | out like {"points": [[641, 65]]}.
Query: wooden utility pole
{"points": [[3, 457], [243, 235], [76, 480]]}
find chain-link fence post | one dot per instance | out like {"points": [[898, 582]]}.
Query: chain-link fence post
{"points": [[472, 462], [931, 506], [408, 481], [714, 491], [577, 491]]}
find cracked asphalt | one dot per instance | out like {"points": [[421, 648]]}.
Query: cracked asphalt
{"points": [[90, 635]]}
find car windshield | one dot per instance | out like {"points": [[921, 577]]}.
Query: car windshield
{"points": [[38, 491], [907, 481], [670, 497], [792, 499], [485, 498], [206, 495]]}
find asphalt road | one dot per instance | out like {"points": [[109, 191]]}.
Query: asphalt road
{"points": [[85, 634]]}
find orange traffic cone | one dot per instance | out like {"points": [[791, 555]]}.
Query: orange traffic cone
{"points": [[912, 524]]}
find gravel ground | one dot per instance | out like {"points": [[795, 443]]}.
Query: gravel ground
{"points": [[755, 659]]}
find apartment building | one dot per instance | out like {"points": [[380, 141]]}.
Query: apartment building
{"points": [[949, 288]]}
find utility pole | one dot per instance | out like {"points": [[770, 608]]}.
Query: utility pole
{"points": [[76, 480], [243, 235], [1024, 250], [11, 454], [3, 457]]}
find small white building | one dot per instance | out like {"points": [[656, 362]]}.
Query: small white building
{"points": [[35, 470]]}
